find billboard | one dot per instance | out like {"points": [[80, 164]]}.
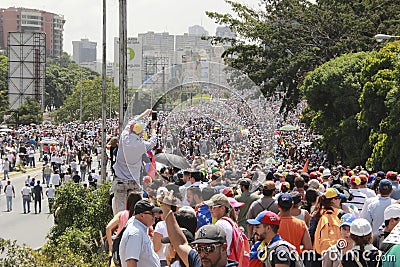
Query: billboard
{"points": [[26, 67], [134, 62]]}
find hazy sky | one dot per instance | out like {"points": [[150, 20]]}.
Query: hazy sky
{"points": [[84, 17]]}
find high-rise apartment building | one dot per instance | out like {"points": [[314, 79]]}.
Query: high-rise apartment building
{"points": [[84, 51], [32, 20]]}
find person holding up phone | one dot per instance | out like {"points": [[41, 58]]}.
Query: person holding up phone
{"points": [[128, 163]]}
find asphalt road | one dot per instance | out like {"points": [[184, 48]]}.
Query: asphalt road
{"points": [[30, 228]]}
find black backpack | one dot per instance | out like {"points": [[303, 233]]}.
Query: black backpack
{"points": [[115, 248]]}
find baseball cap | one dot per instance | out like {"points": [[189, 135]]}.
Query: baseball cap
{"points": [[143, 206], [208, 234], [391, 174], [355, 180], [269, 185], [332, 192], [265, 217], [347, 219], [234, 203], [385, 185], [392, 211], [218, 199], [227, 191], [360, 227], [285, 201], [136, 128], [285, 184], [187, 233]]}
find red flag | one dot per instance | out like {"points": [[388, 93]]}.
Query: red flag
{"points": [[305, 168]]}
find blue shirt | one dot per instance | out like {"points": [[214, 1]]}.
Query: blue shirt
{"points": [[136, 244], [375, 212]]}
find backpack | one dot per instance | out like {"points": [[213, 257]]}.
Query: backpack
{"points": [[115, 248], [327, 232], [240, 246], [295, 260]]}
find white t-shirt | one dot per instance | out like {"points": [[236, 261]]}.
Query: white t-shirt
{"points": [[227, 227], [55, 179], [50, 192], [9, 190], [161, 228]]}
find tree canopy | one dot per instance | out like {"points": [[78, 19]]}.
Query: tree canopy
{"points": [[332, 92], [281, 41]]}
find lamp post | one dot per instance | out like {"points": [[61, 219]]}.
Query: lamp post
{"points": [[80, 99], [381, 37]]}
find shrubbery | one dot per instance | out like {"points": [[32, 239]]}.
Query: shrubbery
{"points": [[75, 239]]}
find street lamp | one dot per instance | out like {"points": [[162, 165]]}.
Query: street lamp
{"points": [[381, 37]]}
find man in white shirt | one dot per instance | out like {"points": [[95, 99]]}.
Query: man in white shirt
{"points": [[50, 192], [26, 197], [10, 193], [129, 159]]}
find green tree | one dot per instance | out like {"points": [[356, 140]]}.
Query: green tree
{"points": [[62, 76], [3, 85], [332, 92], [73, 241], [381, 107], [30, 112], [279, 43], [91, 101]]}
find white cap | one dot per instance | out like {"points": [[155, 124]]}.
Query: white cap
{"points": [[360, 227], [326, 173], [392, 211]]}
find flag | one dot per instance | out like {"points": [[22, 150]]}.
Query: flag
{"points": [[305, 168], [151, 166]]}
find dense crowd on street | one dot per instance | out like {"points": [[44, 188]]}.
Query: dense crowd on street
{"points": [[250, 195]]}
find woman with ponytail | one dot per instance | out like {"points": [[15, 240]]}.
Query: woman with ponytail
{"points": [[325, 222]]}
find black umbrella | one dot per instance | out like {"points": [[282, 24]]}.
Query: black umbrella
{"points": [[172, 160]]}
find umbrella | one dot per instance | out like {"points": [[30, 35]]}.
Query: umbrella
{"points": [[6, 130], [288, 128], [172, 160]]}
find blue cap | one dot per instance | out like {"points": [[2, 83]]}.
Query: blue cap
{"points": [[385, 185], [347, 219], [285, 201]]}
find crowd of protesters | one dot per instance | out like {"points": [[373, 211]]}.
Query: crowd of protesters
{"points": [[253, 195], [256, 196]]}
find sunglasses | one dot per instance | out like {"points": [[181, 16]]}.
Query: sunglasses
{"points": [[206, 249], [214, 207]]}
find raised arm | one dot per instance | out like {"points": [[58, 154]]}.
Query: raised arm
{"points": [[176, 236]]}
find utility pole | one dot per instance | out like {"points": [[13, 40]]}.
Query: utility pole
{"points": [[122, 64], [80, 99], [103, 101]]}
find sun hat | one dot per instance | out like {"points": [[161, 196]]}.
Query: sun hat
{"points": [[360, 227]]}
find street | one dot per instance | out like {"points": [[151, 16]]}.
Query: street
{"points": [[29, 228]]}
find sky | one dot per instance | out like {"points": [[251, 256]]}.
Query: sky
{"points": [[84, 17]]}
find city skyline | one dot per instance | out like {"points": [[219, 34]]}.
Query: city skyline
{"points": [[84, 18]]}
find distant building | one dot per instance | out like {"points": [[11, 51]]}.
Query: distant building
{"points": [[84, 51], [32, 20], [193, 43], [197, 30]]}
